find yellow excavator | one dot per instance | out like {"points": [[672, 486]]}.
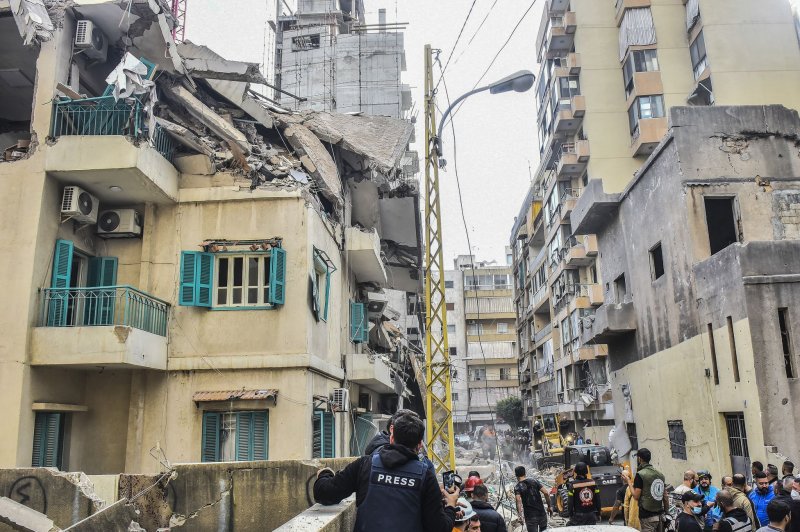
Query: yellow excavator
{"points": [[548, 443]]}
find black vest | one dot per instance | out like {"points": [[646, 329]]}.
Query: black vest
{"points": [[582, 493], [394, 498]]}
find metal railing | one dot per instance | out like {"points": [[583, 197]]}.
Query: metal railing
{"points": [[97, 116], [102, 305], [542, 333], [164, 143]]}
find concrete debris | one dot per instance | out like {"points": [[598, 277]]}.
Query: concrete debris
{"points": [[33, 20], [130, 78], [317, 161], [20, 517]]}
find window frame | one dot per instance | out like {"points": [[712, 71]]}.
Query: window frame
{"points": [[264, 266], [697, 59], [656, 106], [677, 439], [213, 421], [326, 421], [322, 268], [43, 421], [656, 262]]}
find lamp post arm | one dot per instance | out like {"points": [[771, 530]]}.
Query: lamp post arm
{"points": [[438, 140]]}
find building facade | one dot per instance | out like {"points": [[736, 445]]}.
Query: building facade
{"points": [[609, 73], [196, 277]]}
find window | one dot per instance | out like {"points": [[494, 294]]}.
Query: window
{"points": [[451, 329], [478, 374], [712, 346], [323, 438], [235, 436], [734, 356], [786, 342], [246, 280], [450, 306], [656, 262], [638, 61], [697, 51], [502, 328], [359, 324], [632, 435], [448, 284], [677, 439], [620, 290], [321, 284], [474, 328], [645, 107], [721, 223], [737, 443], [454, 396], [501, 282], [453, 351], [365, 401], [505, 374], [412, 331], [305, 42], [48, 439]]}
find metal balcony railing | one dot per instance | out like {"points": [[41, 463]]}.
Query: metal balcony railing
{"points": [[164, 144], [97, 116], [544, 331], [106, 305]]}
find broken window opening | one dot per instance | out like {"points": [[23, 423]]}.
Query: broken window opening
{"points": [[17, 77], [305, 42], [721, 223], [656, 262], [620, 290], [734, 356], [786, 343], [677, 439], [712, 346], [697, 51]]}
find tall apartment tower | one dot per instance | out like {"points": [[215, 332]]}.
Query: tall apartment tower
{"points": [[481, 339], [609, 74]]}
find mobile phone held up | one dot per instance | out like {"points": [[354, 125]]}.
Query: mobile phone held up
{"points": [[450, 479]]}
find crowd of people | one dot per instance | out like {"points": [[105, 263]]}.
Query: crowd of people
{"points": [[397, 490]]}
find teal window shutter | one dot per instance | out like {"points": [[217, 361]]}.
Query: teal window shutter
{"points": [[99, 308], [277, 276], [62, 272], [260, 445], [197, 279], [358, 323], [210, 446], [244, 436], [320, 267], [47, 439], [323, 435]]}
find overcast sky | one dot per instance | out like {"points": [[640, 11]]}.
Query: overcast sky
{"points": [[496, 134]]}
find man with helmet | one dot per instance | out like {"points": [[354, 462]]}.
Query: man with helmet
{"points": [[584, 498], [467, 514], [709, 494], [648, 490], [469, 485]]}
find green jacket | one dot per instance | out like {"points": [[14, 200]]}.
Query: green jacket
{"points": [[652, 497]]}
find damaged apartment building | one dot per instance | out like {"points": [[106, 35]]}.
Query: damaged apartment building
{"points": [[610, 73], [197, 270]]}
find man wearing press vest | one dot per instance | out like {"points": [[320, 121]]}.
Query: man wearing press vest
{"points": [[395, 491], [648, 489]]}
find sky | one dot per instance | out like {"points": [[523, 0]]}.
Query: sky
{"points": [[497, 145]]}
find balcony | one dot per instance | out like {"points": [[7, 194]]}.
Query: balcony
{"points": [[364, 255], [478, 360], [101, 143], [493, 383], [645, 84], [611, 321], [541, 298], [647, 135], [543, 333], [577, 255], [572, 159], [560, 34], [568, 199], [594, 292], [112, 326], [374, 374], [593, 210], [623, 5], [569, 117], [591, 352]]}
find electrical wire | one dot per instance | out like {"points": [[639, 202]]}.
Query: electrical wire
{"points": [[477, 300], [476, 31], [455, 44]]}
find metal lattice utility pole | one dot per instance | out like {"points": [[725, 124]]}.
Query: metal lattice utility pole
{"points": [[438, 400]]}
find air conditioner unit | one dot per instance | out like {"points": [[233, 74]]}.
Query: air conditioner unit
{"points": [[119, 223], [376, 303], [79, 205], [91, 41], [340, 400]]}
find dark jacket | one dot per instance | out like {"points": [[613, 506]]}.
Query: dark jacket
{"points": [[331, 489], [735, 521], [378, 441], [491, 521], [794, 524]]}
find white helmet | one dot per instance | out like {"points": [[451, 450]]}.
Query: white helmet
{"points": [[464, 505]]}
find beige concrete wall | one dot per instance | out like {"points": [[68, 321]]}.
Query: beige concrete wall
{"points": [[684, 392]]}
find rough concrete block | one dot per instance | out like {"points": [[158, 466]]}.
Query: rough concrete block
{"points": [[21, 518], [115, 518], [320, 518], [198, 164]]}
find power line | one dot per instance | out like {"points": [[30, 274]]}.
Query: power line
{"points": [[469, 42], [455, 44]]}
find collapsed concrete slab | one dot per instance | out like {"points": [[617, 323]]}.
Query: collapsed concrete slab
{"points": [[317, 161], [20, 517], [33, 20]]}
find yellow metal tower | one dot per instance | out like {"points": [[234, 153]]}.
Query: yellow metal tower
{"points": [[438, 401]]}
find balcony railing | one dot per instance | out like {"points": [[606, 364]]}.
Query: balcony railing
{"points": [[103, 306], [164, 144], [97, 116], [544, 331]]}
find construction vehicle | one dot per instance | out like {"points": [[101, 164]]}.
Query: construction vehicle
{"points": [[549, 441], [602, 470]]}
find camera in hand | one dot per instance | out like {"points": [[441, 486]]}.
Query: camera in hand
{"points": [[450, 479]]}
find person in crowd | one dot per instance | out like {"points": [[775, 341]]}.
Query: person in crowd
{"points": [[787, 469], [528, 494], [733, 519], [462, 523], [648, 490], [474, 474], [584, 498], [382, 438], [740, 499], [709, 494], [755, 467], [475, 524], [689, 483], [631, 505], [761, 495], [779, 516], [490, 520], [784, 495], [579, 440], [395, 491], [691, 518], [470, 485], [726, 482], [619, 503], [772, 475]]}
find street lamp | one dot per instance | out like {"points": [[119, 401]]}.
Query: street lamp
{"points": [[518, 82]]}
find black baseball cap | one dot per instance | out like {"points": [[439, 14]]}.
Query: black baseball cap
{"points": [[691, 496]]}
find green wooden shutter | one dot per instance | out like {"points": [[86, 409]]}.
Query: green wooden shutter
{"points": [[244, 436], [210, 446], [62, 272], [197, 279], [316, 434], [99, 309], [188, 276], [260, 447], [323, 434], [358, 322], [47, 439], [327, 293], [277, 276]]}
